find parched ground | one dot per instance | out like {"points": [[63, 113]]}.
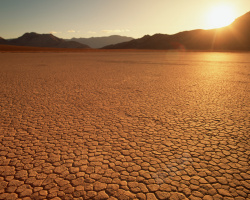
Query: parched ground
{"points": [[124, 125]]}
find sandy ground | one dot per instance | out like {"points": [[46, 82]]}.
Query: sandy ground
{"points": [[124, 125]]}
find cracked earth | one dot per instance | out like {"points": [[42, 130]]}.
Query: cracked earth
{"points": [[124, 125]]}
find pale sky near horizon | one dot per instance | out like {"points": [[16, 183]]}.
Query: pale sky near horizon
{"points": [[94, 18]]}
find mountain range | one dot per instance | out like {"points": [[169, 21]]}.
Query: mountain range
{"points": [[99, 42], [42, 40], [236, 36], [3, 41]]}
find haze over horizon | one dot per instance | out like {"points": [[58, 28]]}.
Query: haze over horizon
{"points": [[82, 18]]}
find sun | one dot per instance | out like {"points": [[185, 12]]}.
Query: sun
{"points": [[220, 16]]}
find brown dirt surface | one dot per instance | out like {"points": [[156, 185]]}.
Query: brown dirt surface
{"points": [[124, 125]]}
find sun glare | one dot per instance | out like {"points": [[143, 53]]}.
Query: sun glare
{"points": [[220, 16]]}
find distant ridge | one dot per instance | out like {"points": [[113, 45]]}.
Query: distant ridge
{"points": [[43, 40], [99, 42], [233, 37], [3, 41]]}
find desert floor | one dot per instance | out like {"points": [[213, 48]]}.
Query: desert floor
{"points": [[124, 125]]}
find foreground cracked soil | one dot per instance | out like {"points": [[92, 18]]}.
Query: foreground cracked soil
{"points": [[110, 125]]}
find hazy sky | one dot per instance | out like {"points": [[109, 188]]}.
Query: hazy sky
{"points": [[93, 18]]}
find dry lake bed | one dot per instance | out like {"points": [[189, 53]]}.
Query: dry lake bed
{"points": [[125, 125]]}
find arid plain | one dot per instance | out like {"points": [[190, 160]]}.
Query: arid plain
{"points": [[124, 125]]}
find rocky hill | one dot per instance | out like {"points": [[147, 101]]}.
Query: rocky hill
{"points": [[3, 41], [44, 40], [233, 37]]}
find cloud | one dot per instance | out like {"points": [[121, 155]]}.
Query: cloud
{"points": [[116, 31], [54, 32], [71, 31], [91, 32]]}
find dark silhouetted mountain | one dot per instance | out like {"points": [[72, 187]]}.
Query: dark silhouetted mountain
{"points": [[236, 36], [3, 41], [44, 40], [99, 42]]}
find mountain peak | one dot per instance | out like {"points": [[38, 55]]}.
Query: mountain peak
{"points": [[30, 33], [98, 42], [243, 19], [3, 41], [36, 35], [232, 37], [44, 40]]}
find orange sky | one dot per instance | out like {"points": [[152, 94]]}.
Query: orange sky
{"points": [[135, 18]]}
